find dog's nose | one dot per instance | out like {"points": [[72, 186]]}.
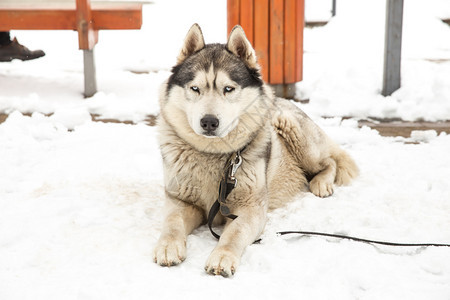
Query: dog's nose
{"points": [[209, 123]]}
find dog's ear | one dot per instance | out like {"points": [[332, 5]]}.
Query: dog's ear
{"points": [[193, 42], [239, 45]]}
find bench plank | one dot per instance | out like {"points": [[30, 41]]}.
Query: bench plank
{"points": [[129, 17], [117, 19], [300, 23], [261, 36], [276, 42], [37, 19], [290, 16]]}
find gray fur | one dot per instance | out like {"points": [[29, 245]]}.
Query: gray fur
{"points": [[221, 59]]}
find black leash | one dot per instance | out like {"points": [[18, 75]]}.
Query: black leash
{"points": [[356, 239], [229, 182]]}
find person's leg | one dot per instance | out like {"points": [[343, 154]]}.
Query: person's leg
{"points": [[5, 38]]}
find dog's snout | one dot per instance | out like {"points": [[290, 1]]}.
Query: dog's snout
{"points": [[209, 123]]}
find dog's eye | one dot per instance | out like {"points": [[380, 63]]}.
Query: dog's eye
{"points": [[195, 89], [228, 89]]}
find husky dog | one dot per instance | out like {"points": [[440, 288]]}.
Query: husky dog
{"points": [[215, 105]]}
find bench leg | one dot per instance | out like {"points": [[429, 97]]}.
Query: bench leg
{"points": [[90, 83]]}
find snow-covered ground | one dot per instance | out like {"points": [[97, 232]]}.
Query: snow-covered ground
{"points": [[343, 63], [81, 201]]}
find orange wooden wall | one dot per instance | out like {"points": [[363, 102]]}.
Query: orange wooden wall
{"points": [[275, 29]]}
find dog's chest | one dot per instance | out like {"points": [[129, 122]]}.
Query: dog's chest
{"points": [[192, 176]]}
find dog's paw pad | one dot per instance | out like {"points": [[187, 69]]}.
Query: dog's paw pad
{"points": [[169, 254]]}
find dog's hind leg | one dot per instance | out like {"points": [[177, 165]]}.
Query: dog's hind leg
{"points": [[313, 150], [180, 221], [339, 168], [322, 184]]}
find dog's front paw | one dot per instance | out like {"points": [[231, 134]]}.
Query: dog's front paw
{"points": [[169, 252], [321, 188], [222, 262]]}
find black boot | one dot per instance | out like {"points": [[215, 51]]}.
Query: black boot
{"points": [[17, 51]]}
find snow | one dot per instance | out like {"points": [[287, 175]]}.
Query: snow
{"points": [[343, 64], [81, 201]]}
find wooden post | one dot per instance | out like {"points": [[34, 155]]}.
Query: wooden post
{"points": [[392, 47], [87, 36]]}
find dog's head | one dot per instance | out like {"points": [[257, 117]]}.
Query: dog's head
{"points": [[216, 88]]}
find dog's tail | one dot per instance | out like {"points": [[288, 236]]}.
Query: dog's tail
{"points": [[346, 168]]}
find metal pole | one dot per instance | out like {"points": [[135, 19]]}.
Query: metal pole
{"points": [[333, 8], [392, 47], [90, 83]]}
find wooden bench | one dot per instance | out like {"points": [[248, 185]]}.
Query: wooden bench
{"points": [[81, 15]]}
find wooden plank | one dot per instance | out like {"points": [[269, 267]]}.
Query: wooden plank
{"points": [[66, 4], [392, 47], [300, 18], [246, 18], [62, 19], [115, 17], [113, 5], [261, 36], [276, 42], [232, 14], [404, 128], [290, 41]]}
